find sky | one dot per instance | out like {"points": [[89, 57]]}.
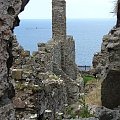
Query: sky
{"points": [[41, 9]]}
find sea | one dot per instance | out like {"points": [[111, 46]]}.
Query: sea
{"points": [[87, 33]]}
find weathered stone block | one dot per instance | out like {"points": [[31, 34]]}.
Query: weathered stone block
{"points": [[18, 103], [17, 74], [111, 90]]}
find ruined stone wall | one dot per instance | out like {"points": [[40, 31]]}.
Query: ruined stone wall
{"points": [[71, 73], [53, 51], [53, 48], [42, 87], [107, 67], [45, 56], [70, 65], [8, 12], [56, 51], [70, 48], [39, 92]]}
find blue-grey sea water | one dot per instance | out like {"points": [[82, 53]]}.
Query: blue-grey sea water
{"points": [[87, 33]]}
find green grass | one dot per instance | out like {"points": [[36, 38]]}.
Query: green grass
{"points": [[88, 78]]}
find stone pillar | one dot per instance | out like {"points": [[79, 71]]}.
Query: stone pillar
{"points": [[59, 19], [59, 26]]}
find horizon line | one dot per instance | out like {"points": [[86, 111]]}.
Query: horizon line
{"points": [[66, 18]]}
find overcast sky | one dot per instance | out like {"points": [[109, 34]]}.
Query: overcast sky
{"points": [[41, 9]]}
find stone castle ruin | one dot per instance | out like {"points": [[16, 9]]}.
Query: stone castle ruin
{"points": [[44, 82], [41, 85]]}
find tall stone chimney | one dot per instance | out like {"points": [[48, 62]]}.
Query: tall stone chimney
{"points": [[59, 20], [59, 26]]}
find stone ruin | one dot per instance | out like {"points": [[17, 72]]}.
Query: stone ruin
{"points": [[40, 85], [107, 66], [8, 12]]}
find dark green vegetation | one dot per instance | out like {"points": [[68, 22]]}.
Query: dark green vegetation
{"points": [[88, 78]]}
